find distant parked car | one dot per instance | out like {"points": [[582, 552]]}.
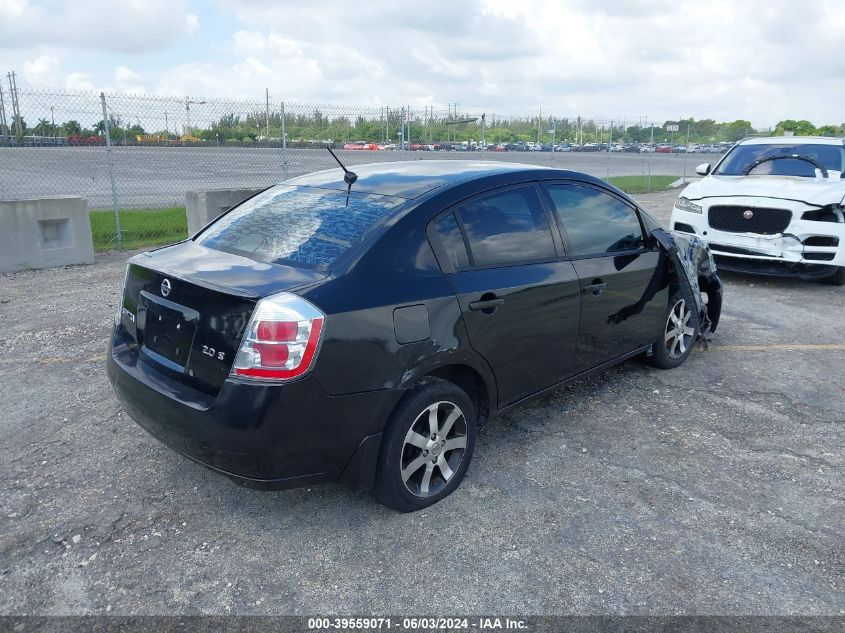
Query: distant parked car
{"points": [[663, 149], [361, 146], [646, 149], [75, 139], [772, 206]]}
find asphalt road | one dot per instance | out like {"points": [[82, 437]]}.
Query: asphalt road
{"points": [[715, 488], [155, 177]]}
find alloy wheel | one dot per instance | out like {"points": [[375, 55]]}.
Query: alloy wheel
{"points": [[679, 334], [433, 449]]}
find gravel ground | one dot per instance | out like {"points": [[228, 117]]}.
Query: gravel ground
{"points": [[715, 488]]}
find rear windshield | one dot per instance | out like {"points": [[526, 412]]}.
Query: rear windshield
{"points": [[300, 226], [742, 156]]}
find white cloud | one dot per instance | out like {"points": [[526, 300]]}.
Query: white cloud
{"points": [[127, 80], [42, 70], [662, 59], [127, 27], [79, 81]]}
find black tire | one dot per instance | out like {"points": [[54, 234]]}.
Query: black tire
{"points": [[423, 456], [668, 353], [836, 279]]}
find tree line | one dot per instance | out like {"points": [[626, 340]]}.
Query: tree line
{"points": [[387, 127]]}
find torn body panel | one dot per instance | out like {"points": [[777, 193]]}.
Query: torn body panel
{"points": [[695, 273]]}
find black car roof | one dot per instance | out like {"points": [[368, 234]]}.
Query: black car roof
{"points": [[411, 179]]}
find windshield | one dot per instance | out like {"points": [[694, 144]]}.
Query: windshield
{"points": [[301, 226], [742, 156]]}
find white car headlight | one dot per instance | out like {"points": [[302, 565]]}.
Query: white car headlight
{"points": [[685, 204]]}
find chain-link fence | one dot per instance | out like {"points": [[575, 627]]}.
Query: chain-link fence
{"points": [[134, 157]]}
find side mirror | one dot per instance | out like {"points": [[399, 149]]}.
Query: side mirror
{"points": [[703, 169]]}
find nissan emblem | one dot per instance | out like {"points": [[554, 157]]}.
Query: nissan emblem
{"points": [[165, 287]]}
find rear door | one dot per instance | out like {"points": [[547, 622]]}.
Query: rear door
{"points": [[519, 300], [623, 281]]}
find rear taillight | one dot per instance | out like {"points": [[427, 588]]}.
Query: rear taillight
{"points": [[281, 340]]}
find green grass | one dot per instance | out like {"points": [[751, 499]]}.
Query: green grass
{"points": [[639, 184], [140, 227]]}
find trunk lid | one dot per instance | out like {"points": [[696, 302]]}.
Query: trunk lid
{"points": [[185, 308]]}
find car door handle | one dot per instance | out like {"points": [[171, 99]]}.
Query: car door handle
{"points": [[486, 304], [596, 287]]}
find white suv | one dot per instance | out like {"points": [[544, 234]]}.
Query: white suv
{"points": [[772, 206]]}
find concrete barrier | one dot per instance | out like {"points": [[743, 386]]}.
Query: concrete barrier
{"points": [[205, 205], [44, 233]]}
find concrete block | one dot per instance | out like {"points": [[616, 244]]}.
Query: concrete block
{"points": [[44, 233], [205, 205]]}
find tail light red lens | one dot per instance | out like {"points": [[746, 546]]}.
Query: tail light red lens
{"points": [[282, 339], [278, 330]]}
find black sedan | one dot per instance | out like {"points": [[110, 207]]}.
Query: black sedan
{"points": [[358, 327]]}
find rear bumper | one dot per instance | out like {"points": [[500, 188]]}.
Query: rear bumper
{"points": [[262, 436]]}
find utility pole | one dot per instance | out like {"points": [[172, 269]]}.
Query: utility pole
{"points": [[16, 111], [609, 144], [118, 232], [687, 151], [539, 118], [267, 114], [650, 154], [188, 104], [4, 128], [284, 136], [166, 125]]}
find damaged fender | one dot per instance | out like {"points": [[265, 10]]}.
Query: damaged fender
{"points": [[696, 274]]}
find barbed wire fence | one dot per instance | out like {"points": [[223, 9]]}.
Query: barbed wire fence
{"points": [[134, 157]]}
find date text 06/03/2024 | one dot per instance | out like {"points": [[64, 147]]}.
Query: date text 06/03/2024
{"points": [[412, 624]]}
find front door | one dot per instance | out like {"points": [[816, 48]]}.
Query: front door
{"points": [[624, 291]]}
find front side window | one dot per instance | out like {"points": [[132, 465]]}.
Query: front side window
{"points": [[507, 228], [298, 225], [742, 158], [595, 222]]}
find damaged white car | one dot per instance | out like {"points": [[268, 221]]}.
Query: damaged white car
{"points": [[772, 206]]}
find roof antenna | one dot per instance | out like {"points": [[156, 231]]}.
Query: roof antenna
{"points": [[349, 177]]}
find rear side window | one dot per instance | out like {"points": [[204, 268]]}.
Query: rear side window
{"points": [[595, 222], [297, 225], [452, 241], [507, 228]]}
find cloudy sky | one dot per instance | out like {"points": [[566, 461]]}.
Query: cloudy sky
{"points": [[762, 60]]}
